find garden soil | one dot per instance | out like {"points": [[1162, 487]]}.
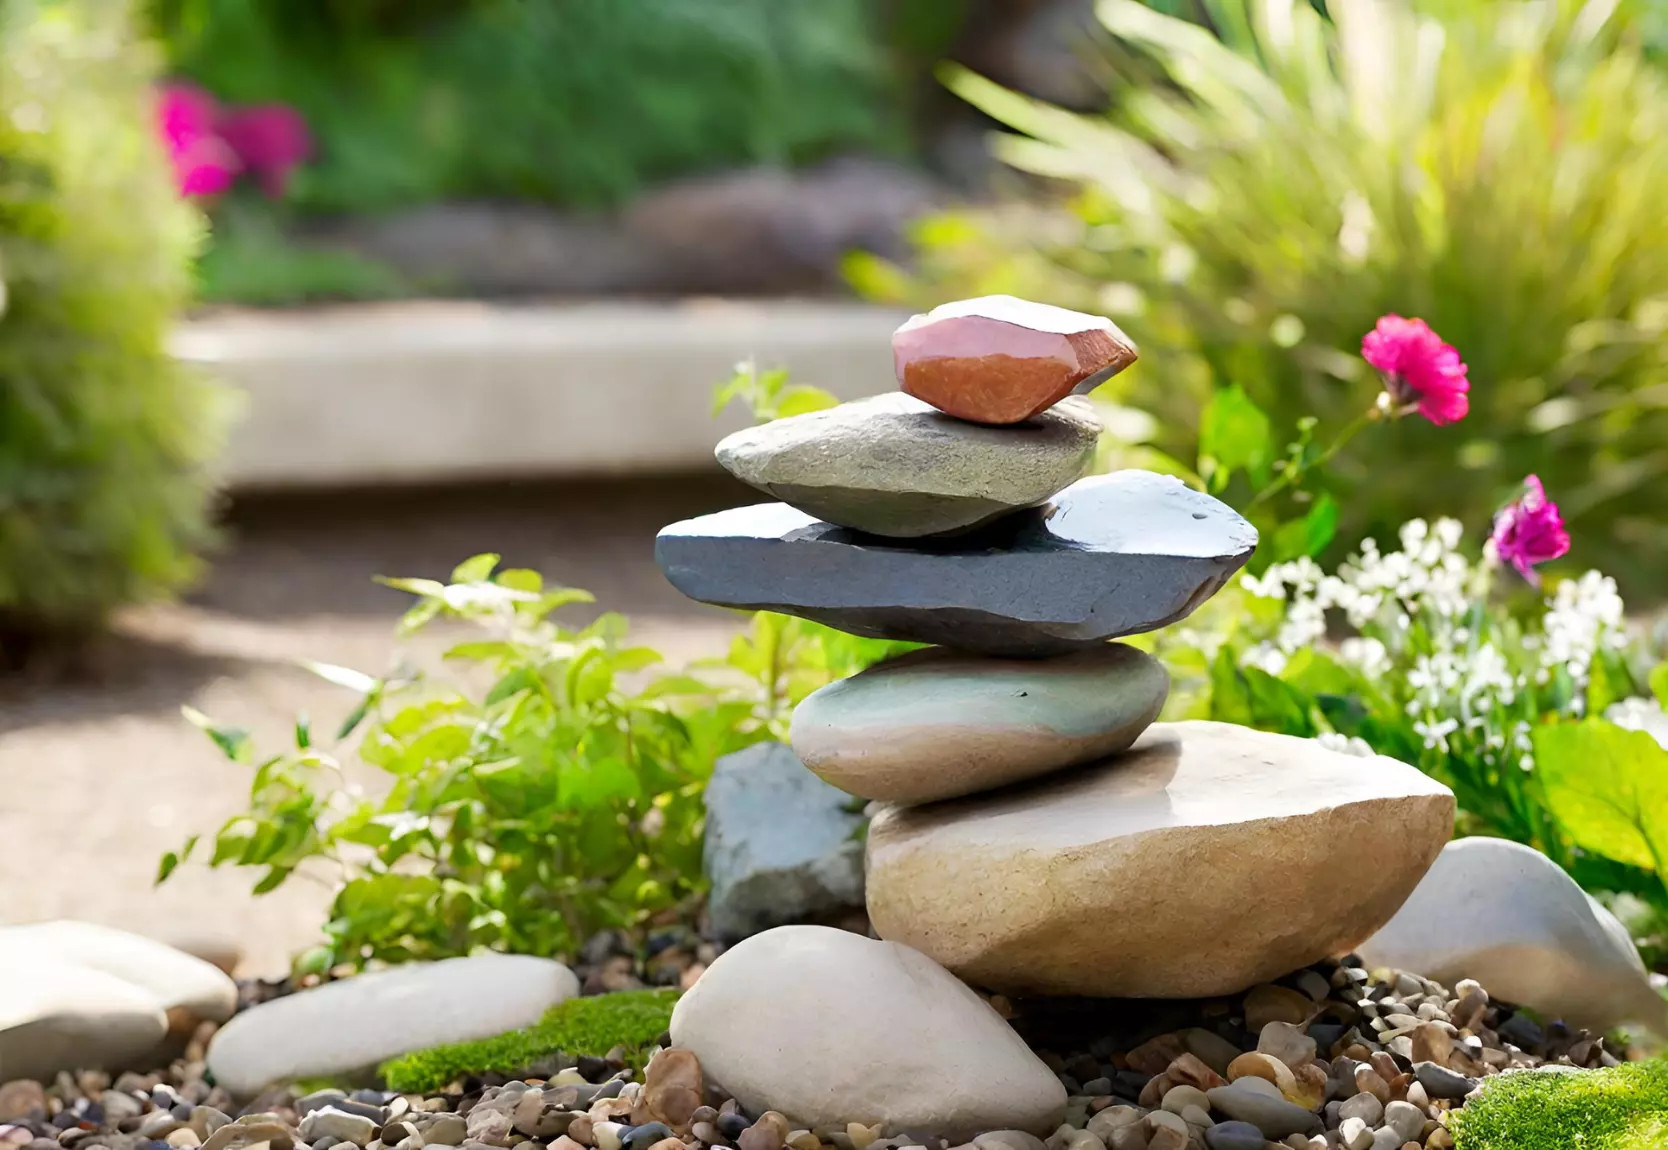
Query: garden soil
{"points": [[100, 774]]}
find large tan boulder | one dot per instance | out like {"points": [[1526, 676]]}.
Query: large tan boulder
{"points": [[829, 1027], [1207, 858]]}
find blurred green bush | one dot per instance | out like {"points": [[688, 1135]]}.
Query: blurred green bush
{"points": [[103, 436], [575, 102], [1256, 198]]}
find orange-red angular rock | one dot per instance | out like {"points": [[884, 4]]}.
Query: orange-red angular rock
{"points": [[999, 359]]}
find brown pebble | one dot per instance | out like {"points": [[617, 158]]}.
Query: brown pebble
{"points": [[770, 1132], [1190, 1070], [668, 1144], [1269, 1003], [1156, 1054], [563, 1142], [582, 1130], [672, 1088]]}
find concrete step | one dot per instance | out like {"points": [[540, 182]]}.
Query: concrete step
{"points": [[442, 390]]}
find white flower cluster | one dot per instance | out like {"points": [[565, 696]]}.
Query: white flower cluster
{"points": [[1583, 618], [1466, 684]]}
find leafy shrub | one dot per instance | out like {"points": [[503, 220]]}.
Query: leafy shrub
{"points": [[577, 102], [595, 1025], [1253, 202], [1619, 1108], [554, 791], [103, 436]]}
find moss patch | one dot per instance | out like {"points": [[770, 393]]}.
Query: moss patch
{"points": [[595, 1025], [1621, 1108]]}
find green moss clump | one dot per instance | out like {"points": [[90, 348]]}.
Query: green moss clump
{"points": [[594, 1025], [1620, 1108]]}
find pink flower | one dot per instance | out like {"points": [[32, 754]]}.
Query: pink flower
{"points": [[203, 164], [1418, 368], [271, 140], [1530, 531]]}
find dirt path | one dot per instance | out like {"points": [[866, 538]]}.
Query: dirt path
{"points": [[99, 775]]}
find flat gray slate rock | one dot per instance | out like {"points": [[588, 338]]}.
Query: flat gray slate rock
{"points": [[1112, 555], [892, 465]]}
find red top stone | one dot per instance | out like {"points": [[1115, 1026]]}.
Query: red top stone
{"points": [[998, 359]]}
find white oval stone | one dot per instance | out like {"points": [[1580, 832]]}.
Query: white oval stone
{"points": [[829, 1027], [59, 1015], [1206, 859], [176, 980], [1509, 917], [938, 724], [351, 1025]]}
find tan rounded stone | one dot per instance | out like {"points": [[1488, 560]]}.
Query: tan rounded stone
{"points": [[1207, 858]]}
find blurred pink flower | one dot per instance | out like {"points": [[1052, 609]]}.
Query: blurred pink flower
{"points": [[203, 163], [272, 141], [1530, 530], [1418, 368]]}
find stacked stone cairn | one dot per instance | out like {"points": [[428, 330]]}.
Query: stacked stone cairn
{"points": [[1036, 833]]}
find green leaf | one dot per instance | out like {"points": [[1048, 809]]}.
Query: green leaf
{"points": [[476, 569], [1309, 535], [521, 579], [303, 732], [342, 676], [1659, 683], [1234, 435], [518, 680], [234, 742], [428, 588], [801, 399], [172, 860], [1608, 788]]}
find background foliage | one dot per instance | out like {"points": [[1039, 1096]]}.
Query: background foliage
{"points": [[574, 102], [1249, 205], [103, 436]]}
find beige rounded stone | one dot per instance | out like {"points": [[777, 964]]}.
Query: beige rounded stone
{"points": [[829, 1027], [1206, 859], [938, 724]]}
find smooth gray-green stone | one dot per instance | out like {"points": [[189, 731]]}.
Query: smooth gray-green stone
{"points": [[936, 724], [1271, 1114], [1110, 555], [782, 846], [894, 466]]}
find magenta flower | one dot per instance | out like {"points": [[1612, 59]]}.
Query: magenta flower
{"points": [[1419, 369], [1529, 531], [203, 163], [271, 140]]}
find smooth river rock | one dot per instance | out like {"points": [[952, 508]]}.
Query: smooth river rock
{"points": [[999, 359], [1111, 555], [344, 1027], [781, 844], [892, 465], [1207, 858], [829, 1027], [60, 1015], [181, 984], [937, 724], [1509, 917]]}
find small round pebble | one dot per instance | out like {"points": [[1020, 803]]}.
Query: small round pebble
{"points": [[1234, 1136]]}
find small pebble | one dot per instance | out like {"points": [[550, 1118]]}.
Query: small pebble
{"points": [[1440, 1082], [1355, 1134]]}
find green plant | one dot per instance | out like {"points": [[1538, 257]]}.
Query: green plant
{"points": [[104, 437], [1618, 1108], [574, 102], [1256, 197], [554, 790], [634, 1019], [252, 262]]}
